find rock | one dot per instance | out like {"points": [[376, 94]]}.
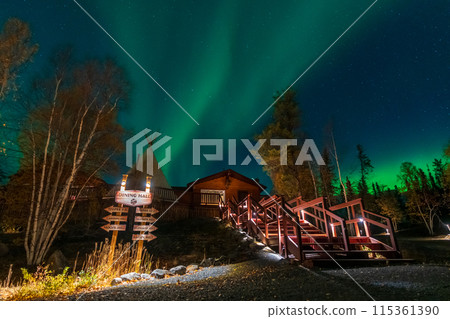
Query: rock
{"points": [[131, 276], [256, 246], [207, 262], [219, 261], [159, 273], [146, 276], [4, 250], [192, 268], [116, 281], [268, 250], [57, 262], [178, 270]]}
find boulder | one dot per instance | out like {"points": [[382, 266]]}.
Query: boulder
{"points": [[192, 268], [57, 262], [146, 276], [131, 276], [178, 270], [207, 262], [116, 281], [220, 261], [256, 246], [160, 273], [4, 250]]}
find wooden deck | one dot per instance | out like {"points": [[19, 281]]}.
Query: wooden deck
{"points": [[310, 230]]}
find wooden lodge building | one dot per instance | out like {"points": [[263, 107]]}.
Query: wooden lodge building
{"points": [[215, 189]]}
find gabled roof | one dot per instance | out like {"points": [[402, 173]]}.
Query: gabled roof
{"points": [[230, 173], [136, 180]]}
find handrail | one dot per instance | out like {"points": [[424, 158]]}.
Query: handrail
{"points": [[354, 202], [257, 216]]}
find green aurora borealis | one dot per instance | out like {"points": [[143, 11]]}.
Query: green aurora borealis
{"points": [[383, 85]]}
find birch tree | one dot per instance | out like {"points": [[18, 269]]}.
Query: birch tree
{"points": [[70, 136], [423, 203]]}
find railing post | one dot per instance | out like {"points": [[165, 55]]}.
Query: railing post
{"points": [[345, 236], [391, 234], [285, 231], [327, 226], [299, 237], [366, 226], [265, 222], [249, 208], [357, 232], [280, 245]]}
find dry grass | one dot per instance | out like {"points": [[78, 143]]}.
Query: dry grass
{"points": [[93, 274]]}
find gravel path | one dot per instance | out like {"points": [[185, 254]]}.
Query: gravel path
{"points": [[269, 278]]}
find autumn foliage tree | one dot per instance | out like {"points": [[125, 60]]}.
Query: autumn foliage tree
{"points": [[16, 49], [289, 180], [69, 137], [424, 202]]}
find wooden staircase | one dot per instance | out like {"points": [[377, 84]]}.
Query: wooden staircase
{"points": [[309, 230]]}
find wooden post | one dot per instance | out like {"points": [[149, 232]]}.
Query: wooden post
{"points": [[345, 236], [391, 234], [280, 245], [114, 235], [285, 230], [141, 242], [266, 226], [8, 280], [357, 232], [249, 210], [298, 232]]}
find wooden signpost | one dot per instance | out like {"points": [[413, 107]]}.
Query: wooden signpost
{"points": [[144, 228], [143, 219], [142, 237], [114, 227], [149, 211], [114, 218], [133, 198], [119, 211], [114, 209]]}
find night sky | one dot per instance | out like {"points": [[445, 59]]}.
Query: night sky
{"points": [[385, 84]]}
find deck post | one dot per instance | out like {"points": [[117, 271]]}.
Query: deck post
{"points": [[112, 247], [285, 232], [345, 236], [299, 237], [391, 234], [249, 208], [265, 223], [280, 246], [357, 232]]}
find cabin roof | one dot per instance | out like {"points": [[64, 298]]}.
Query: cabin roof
{"points": [[230, 173]]}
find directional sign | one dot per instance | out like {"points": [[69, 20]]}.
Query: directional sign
{"points": [[147, 219], [112, 218], [109, 227], [147, 237], [150, 211], [112, 209], [147, 228], [133, 198]]}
